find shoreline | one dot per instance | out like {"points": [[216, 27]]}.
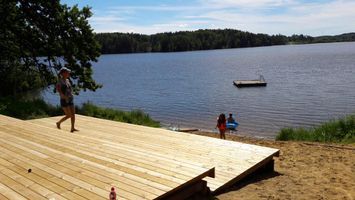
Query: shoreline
{"points": [[215, 131], [192, 129], [304, 170]]}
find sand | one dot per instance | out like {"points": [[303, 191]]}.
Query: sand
{"points": [[304, 170]]}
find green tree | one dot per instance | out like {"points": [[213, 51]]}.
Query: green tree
{"points": [[37, 38]]}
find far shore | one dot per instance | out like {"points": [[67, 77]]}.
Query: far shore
{"points": [[304, 170]]}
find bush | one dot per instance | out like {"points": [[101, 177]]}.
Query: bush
{"points": [[341, 130], [27, 109], [38, 108], [132, 117]]}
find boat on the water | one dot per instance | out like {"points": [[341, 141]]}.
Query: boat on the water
{"points": [[250, 83]]}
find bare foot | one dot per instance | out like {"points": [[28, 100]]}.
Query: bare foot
{"points": [[58, 125], [74, 130]]}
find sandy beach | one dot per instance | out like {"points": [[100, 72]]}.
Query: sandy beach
{"points": [[304, 170]]}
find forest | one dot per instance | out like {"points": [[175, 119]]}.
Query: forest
{"points": [[112, 43]]}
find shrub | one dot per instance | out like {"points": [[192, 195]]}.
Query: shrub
{"points": [[27, 109], [341, 130], [38, 108], [133, 117]]}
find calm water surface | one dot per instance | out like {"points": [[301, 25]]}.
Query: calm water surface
{"points": [[307, 84]]}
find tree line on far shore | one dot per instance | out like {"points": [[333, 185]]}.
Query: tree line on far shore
{"points": [[112, 43]]}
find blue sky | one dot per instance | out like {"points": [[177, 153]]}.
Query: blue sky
{"points": [[287, 17]]}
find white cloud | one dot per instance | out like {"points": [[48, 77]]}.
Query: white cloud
{"points": [[171, 25], [246, 3], [259, 16], [154, 8], [106, 19], [312, 18]]}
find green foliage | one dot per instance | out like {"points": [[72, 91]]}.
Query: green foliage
{"points": [[27, 109], [305, 39], [346, 37], [37, 108], [184, 41], [37, 38], [300, 39], [132, 117], [341, 130], [202, 40]]}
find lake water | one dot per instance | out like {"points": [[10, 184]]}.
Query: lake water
{"points": [[307, 85]]}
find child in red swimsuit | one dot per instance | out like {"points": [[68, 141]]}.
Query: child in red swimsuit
{"points": [[221, 125]]}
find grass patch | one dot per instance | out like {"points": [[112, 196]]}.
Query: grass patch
{"points": [[132, 117], [38, 108], [338, 131], [28, 109]]}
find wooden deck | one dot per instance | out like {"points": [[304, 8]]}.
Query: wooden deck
{"points": [[140, 162]]}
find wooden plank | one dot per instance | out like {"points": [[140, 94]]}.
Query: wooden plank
{"points": [[102, 167], [150, 175], [67, 171], [174, 152], [188, 138], [187, 191], [80, 173], [230, 158], [254, 153], [220, 152], [92, 145], [19, 188], [53, 175], [9, 193], [169, 170], [27, 143], [160, 161], [217, 157], [107, 127], [8, 120], [30, 184], [3, 197], [42, 185]]}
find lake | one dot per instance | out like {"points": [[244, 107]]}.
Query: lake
{"points": [[307, 85]]}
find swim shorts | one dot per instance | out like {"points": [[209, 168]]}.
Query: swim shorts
{"points": [[65, 103]]}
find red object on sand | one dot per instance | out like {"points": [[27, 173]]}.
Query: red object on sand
{"points": [[112, 194]]}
